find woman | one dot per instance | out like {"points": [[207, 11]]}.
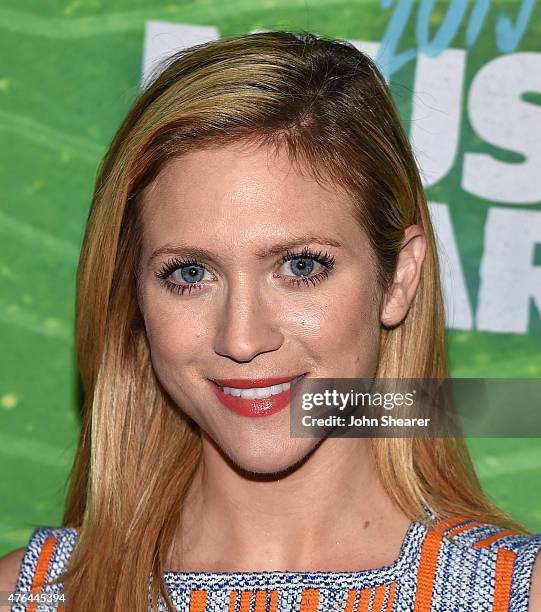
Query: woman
{"points": [[258, 221]]}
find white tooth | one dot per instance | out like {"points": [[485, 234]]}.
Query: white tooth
{"points": [[248, 393], [261, 392]]}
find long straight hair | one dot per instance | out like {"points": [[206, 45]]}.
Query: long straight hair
{"points": [[327, 103]]}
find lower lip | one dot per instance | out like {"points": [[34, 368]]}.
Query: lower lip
{"points": [[257, 407]]}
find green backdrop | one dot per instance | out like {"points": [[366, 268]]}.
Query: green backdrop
{"points": [[71, 69]]}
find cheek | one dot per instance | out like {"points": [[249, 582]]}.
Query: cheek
{"points": [[174, 345], [346, 329], [173, 336]]}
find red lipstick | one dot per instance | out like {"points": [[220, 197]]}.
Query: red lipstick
{"points": [[256, 407]]}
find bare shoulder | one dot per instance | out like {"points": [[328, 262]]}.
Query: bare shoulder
{"points": [[534, 601], [9, 569]]}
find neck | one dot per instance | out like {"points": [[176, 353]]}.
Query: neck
{"points": [[330, 514]]}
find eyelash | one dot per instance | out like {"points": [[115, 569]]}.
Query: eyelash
{"points": [[326, 260]]}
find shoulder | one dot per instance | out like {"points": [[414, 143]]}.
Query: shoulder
{"points": [[9, 569], [534, 602], [44, 558], [508, 557]]}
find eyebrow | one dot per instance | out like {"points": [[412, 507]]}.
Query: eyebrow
{"points": [[183, 249]]}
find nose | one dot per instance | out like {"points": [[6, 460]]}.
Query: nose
{"points": [[247, 324]]}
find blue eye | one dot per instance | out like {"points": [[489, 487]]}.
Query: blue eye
{"points": [[185, 275], [302, 266], [190, 274], [303, 263], [189, 271]]}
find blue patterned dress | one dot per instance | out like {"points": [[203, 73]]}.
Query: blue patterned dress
{"points": [[456, 565]]}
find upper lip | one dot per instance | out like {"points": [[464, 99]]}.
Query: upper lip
{"points": [[247, 383]]}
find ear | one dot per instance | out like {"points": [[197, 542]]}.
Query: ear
{"points": [[398, 298]]}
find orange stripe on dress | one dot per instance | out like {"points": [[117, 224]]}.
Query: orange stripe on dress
{"points": [[364, 600], [392, 590], [379, 597], [41, 568], [260, 601], [232, 601], [449, 522], [502, 579], [462, 528], [198, 601], [427, 571], [495, 536], [350, 600], [309, 600], [245, 600], [273, 601]]}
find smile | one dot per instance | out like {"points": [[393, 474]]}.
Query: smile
{"points": [[256, 401], [261, 392]]}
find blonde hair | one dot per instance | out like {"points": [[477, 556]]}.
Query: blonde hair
{"points": [[326, 102]]}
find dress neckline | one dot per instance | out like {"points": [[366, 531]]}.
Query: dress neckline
{"points": [[409, 551]]}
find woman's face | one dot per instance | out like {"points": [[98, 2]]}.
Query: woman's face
{"points": [[220, 302]]}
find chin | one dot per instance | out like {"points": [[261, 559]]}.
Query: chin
{"points": [[266, 459]]}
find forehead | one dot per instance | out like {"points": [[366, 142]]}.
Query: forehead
{"points": [[234, 193]]}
